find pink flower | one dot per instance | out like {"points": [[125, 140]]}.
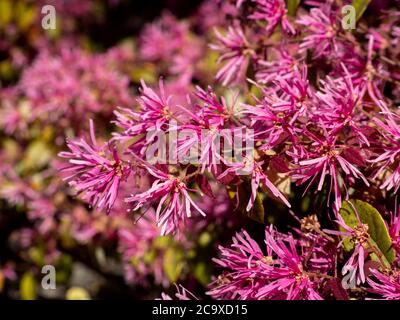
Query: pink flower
{"points": [[388, 160], [280, 65], [359, 236], [326, 159], [42, 211], [322, 32], [154, 114], [288, 277], [236, 53], [320, 251], [64, 88], [385, 285], [15, 116], [253, 274], [340, 107], [275, 117], [258, 177], [181, 294], [394, 229], [372, 77], [97, 171], [210, 122], [172, 194], [211, 14], [161, 39], [274, 13]]}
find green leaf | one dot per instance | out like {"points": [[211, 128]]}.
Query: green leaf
{"points": [[360, 6], [6, 69], [145, 72], [25, 15], [63, 267], [255, 92], [292, 7], [162, 242], [150, 256], [202, 273], [37, 155], [37, 255], [205, 239], [27, 286], [5, 13], [376, 226], [173, 263], [11, 149], [77, 293], [257, 213]]}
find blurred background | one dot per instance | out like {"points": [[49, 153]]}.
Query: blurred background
{"points": [[52, 81]]}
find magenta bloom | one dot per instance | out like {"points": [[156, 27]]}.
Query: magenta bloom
{"points": [[326, 160], [258, 177], [96, 171], [174, 201], [340, 107], [236, 53], [251, 274], [211, 120], [71, 85], [371, 77], [389, 159], [275, 117], [280, 65], [154, 112], [387, 286], [359, 236], [161, 39], [181, 294], [321, 29], [274, 13], [394, 230], [289, 276], [141, 127]]}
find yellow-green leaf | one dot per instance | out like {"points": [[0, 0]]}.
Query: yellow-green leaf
{"points": [[292, 6], [37, 255], [5, 12], [27, 287], [173, 263], [6, 69], [11, 149], [25, 15], [145, 72], [37, 155], [162, 242], [202, 273], [360, 6], [149, 256], [255, 93], [205, 239], [77, 293]]}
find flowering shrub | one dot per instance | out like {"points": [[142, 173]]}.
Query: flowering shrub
{"points": [[261, 135]]}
